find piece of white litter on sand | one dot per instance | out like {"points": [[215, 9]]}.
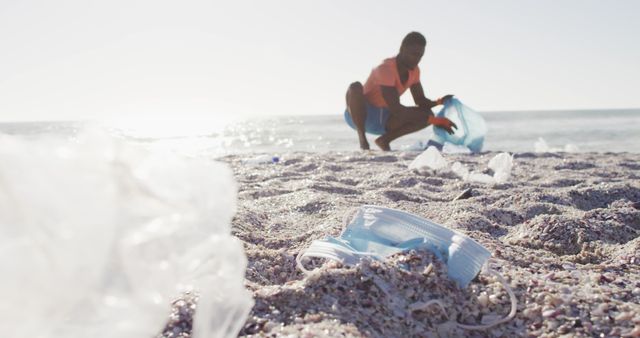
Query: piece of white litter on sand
{"points": [[541, 146], [261, 159], [460, 170], [570, 148], [430, 158], [481, 178], [450, 148], [100, 235], [501, 165]]}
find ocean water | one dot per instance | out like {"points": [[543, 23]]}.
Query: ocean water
{"points": [[581, 130]]}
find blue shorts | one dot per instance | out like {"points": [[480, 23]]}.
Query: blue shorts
{"points": [[376, 120]]}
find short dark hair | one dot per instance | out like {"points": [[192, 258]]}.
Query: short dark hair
{"points": [[414, 38]]}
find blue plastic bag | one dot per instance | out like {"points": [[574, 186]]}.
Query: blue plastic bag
{"points": [[471, 126]]}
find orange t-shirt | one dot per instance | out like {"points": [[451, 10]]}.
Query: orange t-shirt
{"points": [[386, 74]]}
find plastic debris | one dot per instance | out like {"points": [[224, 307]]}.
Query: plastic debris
{"points": [[501, 165], [99, 236], [541, 146], [262, 159], [430, 158]]}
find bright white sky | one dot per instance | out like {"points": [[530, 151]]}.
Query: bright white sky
{"points": [[83, 59]]}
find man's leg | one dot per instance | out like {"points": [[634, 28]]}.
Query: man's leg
{"points": [[356, 104], [400, 124]]}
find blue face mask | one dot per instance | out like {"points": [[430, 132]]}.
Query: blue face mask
{"points": [[378, 232]]}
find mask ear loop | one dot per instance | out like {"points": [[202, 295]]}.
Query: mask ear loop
{"points": [[514, 303], [512, 297], [299, 263], [347, 219]]}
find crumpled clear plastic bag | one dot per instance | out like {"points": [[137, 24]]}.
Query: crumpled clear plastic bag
{"points": [[501, 165], [471, 130], [97, 237], [430, 158]]}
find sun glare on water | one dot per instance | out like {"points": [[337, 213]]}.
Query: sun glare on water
{"points": [[164, 128]]}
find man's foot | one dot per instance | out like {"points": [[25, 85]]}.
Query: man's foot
{"points": [[382, 144], [364, 144]]}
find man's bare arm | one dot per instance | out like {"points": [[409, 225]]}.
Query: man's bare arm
{"points": [[391, 97], [418, 97]]}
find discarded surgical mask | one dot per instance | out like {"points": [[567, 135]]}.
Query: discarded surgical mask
{"points": [[377, 232]]}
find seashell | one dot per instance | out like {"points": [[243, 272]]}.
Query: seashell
{"points": [[553, 324], [600, 310], [632, 333], [551, 313], [428, 269], [313, 318], [530, 313], [268, 326], [555, 301], [483, 299], [622, 316]]}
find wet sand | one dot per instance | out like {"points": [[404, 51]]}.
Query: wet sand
{"points": [[564, 232]]}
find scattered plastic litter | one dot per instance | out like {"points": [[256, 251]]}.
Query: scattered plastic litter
{"points": [[501, 165], [450, 148], [262, 159], [430, 158], [460, 170], [481, 178], [541, 146], [99, 236]]}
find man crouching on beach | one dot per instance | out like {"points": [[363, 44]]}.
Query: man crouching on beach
{"points": [[376, 109]]}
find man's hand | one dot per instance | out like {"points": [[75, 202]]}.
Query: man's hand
{"points": [[443, 122], [444, 99]]}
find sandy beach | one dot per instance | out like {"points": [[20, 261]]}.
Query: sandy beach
{"points": [[563, 231]]}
